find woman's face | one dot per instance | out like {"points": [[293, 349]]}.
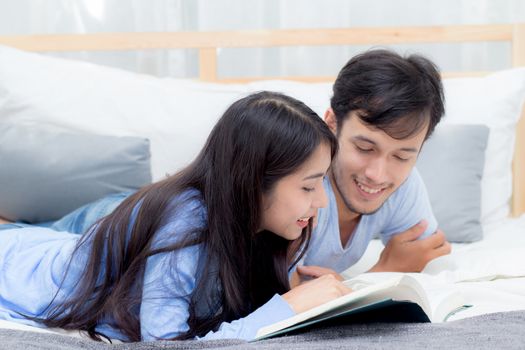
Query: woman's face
{"points": [[295, 198]]}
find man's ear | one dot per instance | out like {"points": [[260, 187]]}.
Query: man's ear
{"points": [[331, 120]]}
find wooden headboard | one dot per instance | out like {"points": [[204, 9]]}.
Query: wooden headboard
{"points": [[208, 43]]}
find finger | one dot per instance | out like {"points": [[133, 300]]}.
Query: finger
{"points": [[442, 250], [435, 240], [414, 232], [310, 271], [343, 290], [317, 271], [336, 286], [337, 276]]}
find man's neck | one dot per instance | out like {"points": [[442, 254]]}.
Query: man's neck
{"points": [[348, 220]]}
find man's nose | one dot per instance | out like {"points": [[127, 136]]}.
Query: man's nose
{"points": [[376, 170]]}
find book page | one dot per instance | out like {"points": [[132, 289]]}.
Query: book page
{"points": [[407, 289], [436, 297], [360, 292], [443, 298], [437, 300]]}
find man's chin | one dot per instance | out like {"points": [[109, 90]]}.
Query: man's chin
{"points": [[369, 207], [363, 210], [371, 212]]}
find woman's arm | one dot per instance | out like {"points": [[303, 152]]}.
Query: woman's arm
{"points": [[166, 298]]}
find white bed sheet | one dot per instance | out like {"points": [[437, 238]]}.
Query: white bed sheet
{"points": [[490, 273], [22, 327]]}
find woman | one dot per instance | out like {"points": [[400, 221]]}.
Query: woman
{"points": [[204, 253]]}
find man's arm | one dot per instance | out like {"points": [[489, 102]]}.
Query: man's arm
{"points": [[411, 237], [404, 252]]}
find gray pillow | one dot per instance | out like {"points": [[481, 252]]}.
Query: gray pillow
{"points": [[451, 164], [46, 172]]}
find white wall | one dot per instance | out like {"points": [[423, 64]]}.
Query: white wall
{"points": [[84, 16]]}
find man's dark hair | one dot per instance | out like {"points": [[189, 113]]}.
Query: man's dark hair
{"points": [[398, 95]]}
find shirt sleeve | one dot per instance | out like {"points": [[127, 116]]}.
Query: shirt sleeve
{"points": [[409, 205], [275, 310], [164, 310]]}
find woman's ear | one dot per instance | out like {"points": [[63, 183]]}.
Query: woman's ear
{"points": [[331, 120]]}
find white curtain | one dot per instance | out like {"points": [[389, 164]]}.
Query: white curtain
{"points": [[87, 16]]}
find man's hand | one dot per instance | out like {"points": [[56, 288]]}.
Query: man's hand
{"points": [[405, 253], [3, 221]]}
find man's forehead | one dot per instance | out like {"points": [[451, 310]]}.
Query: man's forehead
{"points": [[356, 129], [407, 128]]}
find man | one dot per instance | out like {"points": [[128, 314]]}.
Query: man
{"points": [[383, 109]]}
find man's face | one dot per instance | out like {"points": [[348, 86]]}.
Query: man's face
{"points": [[370, 165]]}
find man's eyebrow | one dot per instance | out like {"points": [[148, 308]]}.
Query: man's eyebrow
{"points": [[409, 149], [366, 139], [314, 176], [363, 138]]}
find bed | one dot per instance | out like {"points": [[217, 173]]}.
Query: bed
{"points": [[488, 266]]}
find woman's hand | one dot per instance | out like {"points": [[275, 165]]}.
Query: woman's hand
{"points": [[4, 221], [306, 273], [315, 292]]}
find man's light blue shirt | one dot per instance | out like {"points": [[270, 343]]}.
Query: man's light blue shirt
{"points": [[407, 206]]}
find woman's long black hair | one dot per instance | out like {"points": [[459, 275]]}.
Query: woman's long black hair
{"points": [[259, 140]]}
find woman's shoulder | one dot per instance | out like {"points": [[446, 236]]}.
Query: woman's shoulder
{"points": [[185, 216], [187, 204]]}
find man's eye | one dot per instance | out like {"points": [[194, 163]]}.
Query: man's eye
{"points": [[401, 159], [308, 189], [364, 150]]}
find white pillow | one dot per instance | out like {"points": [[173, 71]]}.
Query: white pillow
{"points": [[177, 115], [496, 101]]}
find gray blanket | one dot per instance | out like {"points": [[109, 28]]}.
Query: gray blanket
{"points": [[505, 330]]}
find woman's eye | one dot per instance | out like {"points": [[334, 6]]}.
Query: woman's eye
{"points": [[308, 189]]}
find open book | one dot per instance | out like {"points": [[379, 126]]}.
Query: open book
{"points": [[380, 297]]}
